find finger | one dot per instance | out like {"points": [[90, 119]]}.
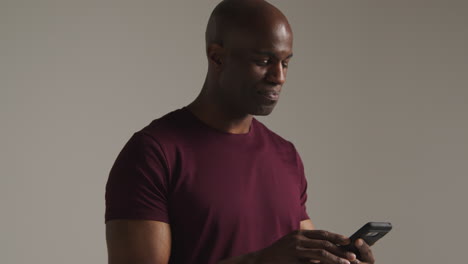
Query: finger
{"points": [[326, 235], [307, 261], [328, 246], [323, 256], [365, 251]]}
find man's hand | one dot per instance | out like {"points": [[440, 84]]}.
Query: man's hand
{"points": [[366, 253], [310, 246]]}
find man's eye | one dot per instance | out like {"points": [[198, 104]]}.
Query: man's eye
{"points": [[263, 62], [285, 65]]}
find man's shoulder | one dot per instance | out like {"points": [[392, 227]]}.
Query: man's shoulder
{"points": [[167, 126], [167, 121], [272, 136]]}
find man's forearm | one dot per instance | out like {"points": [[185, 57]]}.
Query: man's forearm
{"points": [[249, 258]]}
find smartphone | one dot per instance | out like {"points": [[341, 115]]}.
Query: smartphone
{"points": [[370, 233]]}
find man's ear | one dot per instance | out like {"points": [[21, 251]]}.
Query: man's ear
{"points": [[215, 53]]}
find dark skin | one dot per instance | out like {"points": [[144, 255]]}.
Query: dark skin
{"points": [[248, 65], [247, 68]]}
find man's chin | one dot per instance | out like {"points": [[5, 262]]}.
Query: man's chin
{"points": [[263, 110]]}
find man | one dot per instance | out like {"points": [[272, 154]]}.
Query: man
{"points": [[209, 183]]}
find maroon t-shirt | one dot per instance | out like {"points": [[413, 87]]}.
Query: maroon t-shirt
{"points": [[224, 195]]}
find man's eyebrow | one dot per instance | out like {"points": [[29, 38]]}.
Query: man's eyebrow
{"points": [[269, 53]]}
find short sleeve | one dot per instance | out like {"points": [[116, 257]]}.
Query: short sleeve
{"points": [[137, 187], [303, 186]]}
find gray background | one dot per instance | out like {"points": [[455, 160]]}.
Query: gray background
{"points": [[376, 102]]}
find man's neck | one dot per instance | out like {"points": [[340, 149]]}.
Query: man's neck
{"points": [[215, 117]]}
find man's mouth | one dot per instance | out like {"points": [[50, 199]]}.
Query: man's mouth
{"points": [[269, 94]]}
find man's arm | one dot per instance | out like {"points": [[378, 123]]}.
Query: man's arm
{"points": [[138, 242], [251, 258]]}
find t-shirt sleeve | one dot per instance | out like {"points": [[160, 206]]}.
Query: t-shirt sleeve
{"points": [[137, 187], [303, 186]]}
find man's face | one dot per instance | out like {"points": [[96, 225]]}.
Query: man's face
{"points": [[254, 69]]}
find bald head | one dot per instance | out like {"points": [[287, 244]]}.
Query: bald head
{"points": [[248, 46], [245, 17]]}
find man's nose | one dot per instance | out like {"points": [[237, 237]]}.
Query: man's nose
{"points": [[277, 74]]}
